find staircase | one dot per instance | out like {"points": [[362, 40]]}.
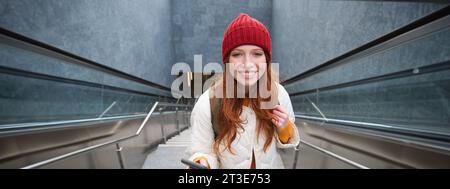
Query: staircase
{"points": [[168, 155]]}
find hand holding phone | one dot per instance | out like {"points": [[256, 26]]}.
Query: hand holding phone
{"points": [[192, 164]]}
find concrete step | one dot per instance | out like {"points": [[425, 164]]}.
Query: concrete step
{"points": [[168, 155]]}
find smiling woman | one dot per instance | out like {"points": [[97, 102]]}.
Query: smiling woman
{"points": [[239, 131]]}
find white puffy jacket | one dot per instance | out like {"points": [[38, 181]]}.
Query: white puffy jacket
{"points": [[202, 138]]}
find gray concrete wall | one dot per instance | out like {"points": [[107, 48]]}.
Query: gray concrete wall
{"points": [[132, 36], [198, 25], [309, 32], [138, 36], [431, 49], [144, 38]]}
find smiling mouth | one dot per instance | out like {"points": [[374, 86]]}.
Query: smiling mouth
{"points": [[248, 74]]}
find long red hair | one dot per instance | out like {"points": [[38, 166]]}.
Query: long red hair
{"points": [[231, 108]]}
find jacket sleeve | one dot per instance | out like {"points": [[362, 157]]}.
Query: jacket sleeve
{"points": [[202, 134], [285, 133], [285, 101]]}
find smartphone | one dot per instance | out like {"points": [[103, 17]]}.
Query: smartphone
{"points": [[192, 164]]}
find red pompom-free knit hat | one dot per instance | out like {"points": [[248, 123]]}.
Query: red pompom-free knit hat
{"points": [[245, 30]]}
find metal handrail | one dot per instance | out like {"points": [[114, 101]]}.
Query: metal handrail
{"points": [[317, 108], [343, 159], [23, 126], [440, 23], [107, 109], [372, 125], [174, 105], [420, 27], [7, 128], [350, 162], [24, 42], [116, 141], [347, 122]]}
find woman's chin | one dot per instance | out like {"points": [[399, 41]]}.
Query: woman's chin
{"points": [[247, 82]]}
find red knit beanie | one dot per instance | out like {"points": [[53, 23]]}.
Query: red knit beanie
{"points": [[245, 30]]}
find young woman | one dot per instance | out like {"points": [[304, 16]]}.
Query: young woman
{"points": [[238, 132]]}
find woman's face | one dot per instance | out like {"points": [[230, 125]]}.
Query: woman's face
{"points": [[247, 64]]}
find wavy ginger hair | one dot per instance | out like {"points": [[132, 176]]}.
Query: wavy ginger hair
{"points": [[231, 108]]}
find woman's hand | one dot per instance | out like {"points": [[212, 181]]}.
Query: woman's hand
{"points": [[281, 117], [201, 161]]}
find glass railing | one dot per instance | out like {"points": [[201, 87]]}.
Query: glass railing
{"points": [[405, 87], [40, 87], [418, 102]]}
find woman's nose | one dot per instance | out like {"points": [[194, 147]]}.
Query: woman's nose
{"points": [[248, 60]]}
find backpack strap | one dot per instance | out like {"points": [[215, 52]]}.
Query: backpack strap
{"points": [[214, 108]]}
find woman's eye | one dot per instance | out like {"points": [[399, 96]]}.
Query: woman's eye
{"points": [[258, 54], [235, 55]]}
